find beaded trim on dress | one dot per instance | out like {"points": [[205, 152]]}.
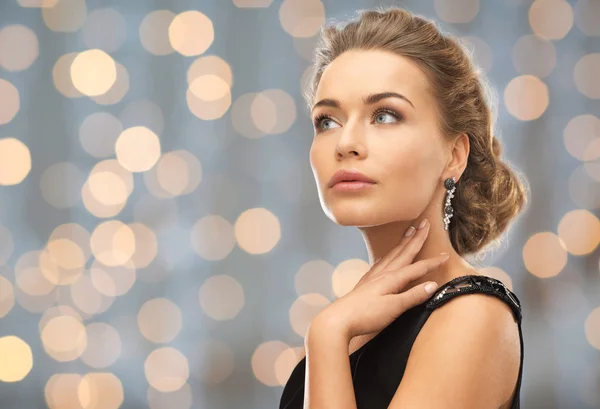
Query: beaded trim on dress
{"points": [[475, 284]]}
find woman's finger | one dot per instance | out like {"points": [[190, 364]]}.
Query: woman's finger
{"points": [[413, 297], [411, 249], [394, 281], [384, 261]]}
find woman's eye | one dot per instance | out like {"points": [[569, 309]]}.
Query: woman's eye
{"points": [[327, 121], [323, 124], [380, 118]]}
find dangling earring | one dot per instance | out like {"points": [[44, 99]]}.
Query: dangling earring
{"points": [[449, 184]]}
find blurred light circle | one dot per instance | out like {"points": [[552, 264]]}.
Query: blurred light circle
{"points": [[100, 391], [36, 304], [314, 276], [221, 297], [534, 55], [241, 115], [210, 65], [212, 237], [59, 310], [286, 362], [66, 253], [146, 245], [103, 345], [87, 298], [257, 231], [580, 231], [76, 234], [179, 172], [19, 47], [95, 34], [107, 188], [64, 338], [456, 11], [61, 76], [7, 297], [16, 358], [10, 102], [580, 136], [93, 72], [166, 369], [586, 76], [551, 19], [113, 281], [159, 320], [302, 18], [113, 243], [347, 274], [273, 111], [592, 328], [65, 16], [209, 87], [154, 32], [526, 97], [583, 188], [545, 255], [29, 277], [117, 91], [61, 391], [98, 134], [137, 149], [15, 161], [208, 111], [304, 309], [587, 17], [191, 33], [263, 361], [58, 250], [96, 207]]}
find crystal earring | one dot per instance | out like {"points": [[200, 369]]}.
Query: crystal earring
{"points": [[450, 186]]}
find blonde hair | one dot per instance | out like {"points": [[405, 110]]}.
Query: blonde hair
{"points": [[489, 193]]}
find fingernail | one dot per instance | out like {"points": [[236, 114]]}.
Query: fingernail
{"points": [[431, 287], [423, 223], [445, 256], [410, 231]]}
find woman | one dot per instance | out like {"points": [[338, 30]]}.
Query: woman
{"points": [[403, 149]]}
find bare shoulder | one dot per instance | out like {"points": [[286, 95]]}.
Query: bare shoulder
{"points": [[467, 355]]}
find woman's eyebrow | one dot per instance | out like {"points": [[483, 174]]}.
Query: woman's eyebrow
{"points": [[369, 100]]}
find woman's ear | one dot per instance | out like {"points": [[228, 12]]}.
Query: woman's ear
{"points": [[459, 150]]}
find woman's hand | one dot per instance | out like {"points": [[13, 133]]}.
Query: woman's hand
{"points": [[377, 299]]}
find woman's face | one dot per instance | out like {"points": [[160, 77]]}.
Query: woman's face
{"points": [[395, 140]]}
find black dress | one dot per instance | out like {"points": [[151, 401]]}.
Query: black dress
{"points": [[378, 366]]}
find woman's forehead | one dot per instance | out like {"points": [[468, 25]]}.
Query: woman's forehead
{"points": [[357, 73]]}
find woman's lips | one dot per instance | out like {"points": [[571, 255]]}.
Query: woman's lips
{"points": [[352, 186]]}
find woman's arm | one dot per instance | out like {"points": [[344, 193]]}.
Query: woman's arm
{"points": [[328, 382]]}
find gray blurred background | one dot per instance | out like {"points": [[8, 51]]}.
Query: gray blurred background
{"points": [[161, 240]]}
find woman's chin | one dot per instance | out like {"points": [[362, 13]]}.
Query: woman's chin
{"points": [[349, 217]]}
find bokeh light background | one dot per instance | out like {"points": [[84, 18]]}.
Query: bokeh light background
{"points": [[161, 240]]}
